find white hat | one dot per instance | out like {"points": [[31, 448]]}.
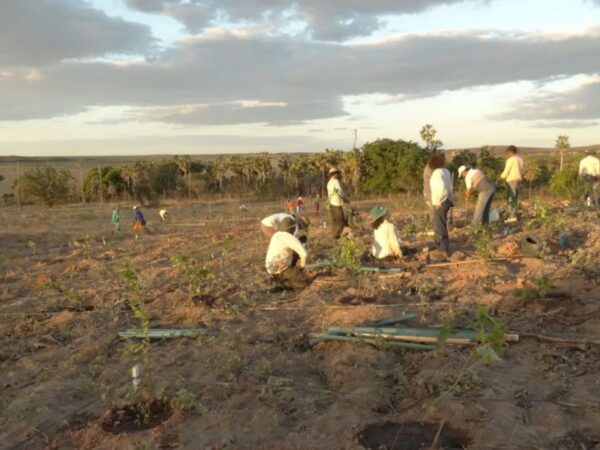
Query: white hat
{"points": [[333, 170], [461, 169], [135, 207]]}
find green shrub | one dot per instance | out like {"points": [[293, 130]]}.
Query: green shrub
{"points": [[564, 183]]}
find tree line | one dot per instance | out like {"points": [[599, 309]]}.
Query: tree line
{"points": [[382, 167]]}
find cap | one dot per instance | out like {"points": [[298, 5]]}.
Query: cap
{"points": [[461, 169]]}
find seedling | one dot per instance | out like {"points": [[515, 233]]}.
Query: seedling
{"points": [[539, 289], [196, 275], [347, 255]]}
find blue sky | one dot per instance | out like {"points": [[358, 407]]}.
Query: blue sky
{"points": [[215, 76]]}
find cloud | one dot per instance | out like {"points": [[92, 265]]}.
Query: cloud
{"points": [[37, 32], [327, 19], [236, 112], [309, 78], [578, 107]]}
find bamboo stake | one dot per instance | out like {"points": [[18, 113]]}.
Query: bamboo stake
{"points": [[376, 342]]}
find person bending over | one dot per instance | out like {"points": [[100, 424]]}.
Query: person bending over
{"points": [[475, 180], [286, 257]]}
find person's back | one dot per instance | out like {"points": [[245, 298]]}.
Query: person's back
{"points": [[281, 249], [589, 166], [275, 219], [427, 171], [385, 241]]}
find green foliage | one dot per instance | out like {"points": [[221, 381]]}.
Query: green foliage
{"points": [[136, 304], [463, 158], [392, 166], [347, 255], [74, 300], [491, 339], [489, 164], [428, 134], [539, 289], [542, 218], [565, 183], [196, 275], [45, 185], [483, 246]]}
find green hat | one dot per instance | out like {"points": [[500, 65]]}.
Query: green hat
{"points": [[287, 224], [378, 212]]}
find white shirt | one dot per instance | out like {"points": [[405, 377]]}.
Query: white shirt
{"points": [[473, 177], [386, 242], [335, 193], [590, 165], [162, 213], [513, 169], [281, 248], [441, 186]]}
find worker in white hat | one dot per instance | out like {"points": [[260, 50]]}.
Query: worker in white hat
{"points": [[476, 180], [337, 198], [286, 257]]}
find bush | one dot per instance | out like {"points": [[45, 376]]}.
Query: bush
{"points": [[45, 185], [564, 183]]}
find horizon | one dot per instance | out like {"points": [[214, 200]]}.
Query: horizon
{"points": [[101, 78]]}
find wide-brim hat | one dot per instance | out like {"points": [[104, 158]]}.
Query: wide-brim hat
{"points": [[334, 170], [378, 212], [461, 169]]}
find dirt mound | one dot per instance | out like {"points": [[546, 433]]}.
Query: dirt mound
{"points": [[507, 249], [411, 436], [136, 417]]}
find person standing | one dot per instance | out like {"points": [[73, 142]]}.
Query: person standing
{"points": [[138, 219], [427, 171], [286, 257], [440, 185], [589, 176], [116, 219], [513, 175], [337, 198], [386, 246], [475, 180], [299, 206]]}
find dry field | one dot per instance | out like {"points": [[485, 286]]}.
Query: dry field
{"points": [[69, 285]]}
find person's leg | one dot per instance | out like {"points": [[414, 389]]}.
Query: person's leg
{"points": [[337, 220], [440, 225], [479, 207], [512, 193], [489, 195]]}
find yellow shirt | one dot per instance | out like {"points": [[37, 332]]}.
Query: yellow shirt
{"points": [[513, 170]]}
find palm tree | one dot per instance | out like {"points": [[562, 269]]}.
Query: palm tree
{"points": [[184, 164], [351, 168], [219, 171], [561, 144], [128, 174]]}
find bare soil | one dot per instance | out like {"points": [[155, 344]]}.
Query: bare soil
{"points": [[253, 382]]}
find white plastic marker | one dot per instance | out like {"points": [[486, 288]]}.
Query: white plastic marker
{"points": [[136, 376]]}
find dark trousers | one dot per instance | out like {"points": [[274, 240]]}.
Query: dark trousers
{"points": [[338, 220], [293, 277], [440, 226], [590, 188], [512, 196]]}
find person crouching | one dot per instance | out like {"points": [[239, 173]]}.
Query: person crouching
{"points": [[386, 247], [286, 257]]}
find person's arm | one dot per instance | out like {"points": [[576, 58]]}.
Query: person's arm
{"points": [[294, 244], [581, 167], [340, 192]]}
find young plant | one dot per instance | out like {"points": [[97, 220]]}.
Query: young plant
{"points": [[347, 255], [196, 275], [483, 247], [73, 298], [539, 289], [135, 301]]}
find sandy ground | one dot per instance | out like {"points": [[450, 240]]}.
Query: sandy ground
{"points": [[253, 382]]}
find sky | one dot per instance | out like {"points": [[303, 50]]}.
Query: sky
{"points": [[115, 77]]}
